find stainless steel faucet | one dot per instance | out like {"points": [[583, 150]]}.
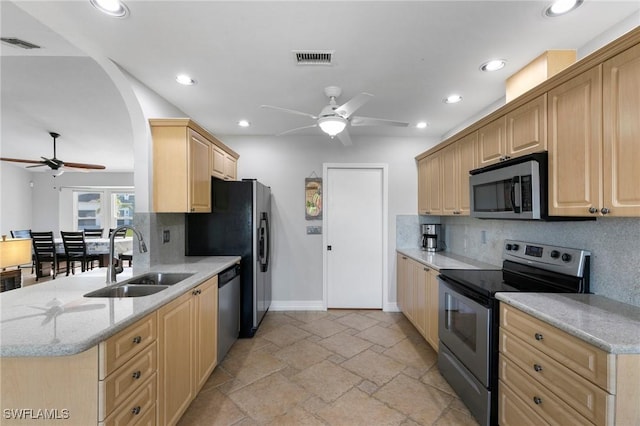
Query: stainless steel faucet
{"points": [[112, 269]]}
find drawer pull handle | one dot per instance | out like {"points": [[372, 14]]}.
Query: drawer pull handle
{"points": [[135, 410], [137, 374], [537, 400], [538, 336], [137, 340], [537, 367]]}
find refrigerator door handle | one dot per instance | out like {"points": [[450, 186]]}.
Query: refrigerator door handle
{"points": [[263, 245]]}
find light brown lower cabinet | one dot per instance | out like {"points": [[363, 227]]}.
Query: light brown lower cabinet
{"points": [[187, 335], [550, 377], [417, 294]]}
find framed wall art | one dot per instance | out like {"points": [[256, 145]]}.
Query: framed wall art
{"points": [[313, 198]]}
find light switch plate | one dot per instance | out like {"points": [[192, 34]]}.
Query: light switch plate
{"points": [[314, 230]]}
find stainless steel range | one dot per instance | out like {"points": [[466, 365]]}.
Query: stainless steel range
{"points": [[468, 314]]}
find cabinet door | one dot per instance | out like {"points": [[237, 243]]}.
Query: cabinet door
{"points": [[206, 321], [230, 167], [175, 361], [621, 121], [199, 173], [467, 161], [527, 128], [432, 309], [423, 187], [420, 297], [492, 142], [401, 280], [575, 145], [434, 184], [450, 178], [217, 162]]}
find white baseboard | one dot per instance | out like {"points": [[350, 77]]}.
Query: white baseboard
{"points": [[296, 305], [391, 307]]}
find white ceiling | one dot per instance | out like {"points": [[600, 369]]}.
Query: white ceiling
{"points": [[409, 55]]}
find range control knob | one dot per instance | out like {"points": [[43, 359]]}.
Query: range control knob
{"points": [[515, 247], [566, 257], [508, 247], [554, 254]]}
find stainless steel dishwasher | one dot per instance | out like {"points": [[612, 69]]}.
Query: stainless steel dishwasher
{"points": [[228, 309]]}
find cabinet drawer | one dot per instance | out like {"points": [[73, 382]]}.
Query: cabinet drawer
{"points": [[512, 411], [588, 361], [588, 399], [117, 387], [538, 398], [137, 409], [123, 346]]}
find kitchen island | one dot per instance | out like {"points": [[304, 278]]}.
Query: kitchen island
{"points": [[70, 359]]}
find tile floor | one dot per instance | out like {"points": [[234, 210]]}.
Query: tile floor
{"points": [[340, 367]]}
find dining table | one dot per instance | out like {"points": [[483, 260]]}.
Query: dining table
{"points": [[100, 247]]}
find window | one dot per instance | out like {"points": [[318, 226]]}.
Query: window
{"points": [[122, 207], [97, 207], [88, 210]]}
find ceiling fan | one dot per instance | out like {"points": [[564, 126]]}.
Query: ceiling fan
{"points": [[334, 118], [54, 163]]}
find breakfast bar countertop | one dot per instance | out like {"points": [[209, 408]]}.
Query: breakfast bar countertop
{"points": [[605, 323], [53, 318]]}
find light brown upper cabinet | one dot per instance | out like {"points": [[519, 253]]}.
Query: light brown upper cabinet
{"points": [[457, 160], [181, 167], [621, 130], [519, 132], [223, 164], [430, 184]]}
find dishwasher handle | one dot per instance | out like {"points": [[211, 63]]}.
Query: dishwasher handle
{"points": [[228, 275]]}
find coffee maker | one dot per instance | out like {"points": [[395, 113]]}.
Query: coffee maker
{"points": [[431, 237]]}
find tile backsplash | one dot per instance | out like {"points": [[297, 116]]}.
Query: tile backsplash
{"points": [[614, 244]]}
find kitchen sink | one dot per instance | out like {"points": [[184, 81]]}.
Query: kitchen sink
{"points": [[127, 290], [158, 278]]}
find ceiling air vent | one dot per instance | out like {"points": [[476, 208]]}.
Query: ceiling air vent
{"points": [[313, 57], [19, 43]]}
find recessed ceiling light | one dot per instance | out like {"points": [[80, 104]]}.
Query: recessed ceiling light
{"points": [[113, 8], [185, 80], [493, 65], [452, 99], [422, 125], [244, 123], [560, 7]]}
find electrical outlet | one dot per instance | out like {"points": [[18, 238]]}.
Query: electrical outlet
{"points": [[166, 236]]}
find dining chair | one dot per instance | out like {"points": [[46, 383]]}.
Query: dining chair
{"points": [[44, 250], [120, 234], [93, 233], [75, 248], [25, 233]]}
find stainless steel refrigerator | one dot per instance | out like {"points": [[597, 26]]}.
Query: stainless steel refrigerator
{"points": [[239, 224]]}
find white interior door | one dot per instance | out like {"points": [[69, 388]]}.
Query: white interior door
{"points": [[354, 235]]}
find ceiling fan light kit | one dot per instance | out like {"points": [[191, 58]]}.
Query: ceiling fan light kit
{"points": [[332, 125]]}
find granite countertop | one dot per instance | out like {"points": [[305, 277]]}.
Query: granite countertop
{"points": [[605, 323], [53, 318], [444, 260]]}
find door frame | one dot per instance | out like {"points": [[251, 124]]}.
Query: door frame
{"points": [[385, 226]]}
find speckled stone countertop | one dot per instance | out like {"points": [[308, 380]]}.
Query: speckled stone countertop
{"points": [[605, 323], [53, 318], [444, 260]]}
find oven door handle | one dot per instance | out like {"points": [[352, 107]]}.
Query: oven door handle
{"points": [[515, 181]]}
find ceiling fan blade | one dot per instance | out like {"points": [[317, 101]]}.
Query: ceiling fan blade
{"points": [[344, 138], [349, 107], [369, 121], [36, 165], [291, 111], [297, 129], [83, 166], [18, 160]]}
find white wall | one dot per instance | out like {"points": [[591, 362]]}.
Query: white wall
{"points": [[283, 163], [15, 198]]}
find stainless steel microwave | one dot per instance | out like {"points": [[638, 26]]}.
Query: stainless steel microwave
{"points": [[513, 189]]}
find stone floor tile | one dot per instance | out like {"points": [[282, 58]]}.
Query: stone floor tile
{"points": [[211, 407], [368, 387], [456, 418], [296, 417], [435, 379], [323, 327], [252, 367], [307, 316], [382, 336], [285, 335], [413, 354], [358, 408], [386, 317], [302, 354], [374, 367], [345, 344], [218, 377], [421, 402], [326, 380], [269, 397], [357, 321], [337, 359]]}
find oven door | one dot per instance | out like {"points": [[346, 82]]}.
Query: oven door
{"points": [[464, 327]]}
